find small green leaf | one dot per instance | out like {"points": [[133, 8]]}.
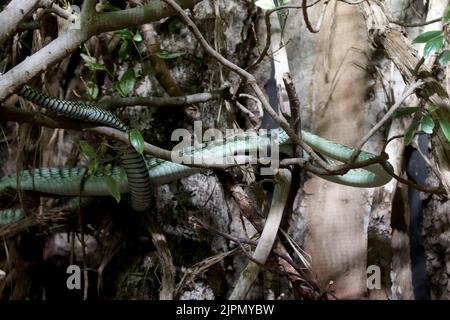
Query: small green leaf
{"points": [[427, 36], [403, 112], [113, 187], [427, 124], [445, 126], [95, 66], [137, 141], [92, 89], [169, 55], [92, 166], [433, 45], [87, 150], [411, 132], [265, 4], [446, 15], [432, 108], [123, 51], [124, 34], [137, 37], [126, 83], [286, 1], [445, 57], [88, 59]]}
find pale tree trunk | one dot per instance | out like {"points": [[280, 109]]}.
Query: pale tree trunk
{"points": [[336, 216], [342, 97]]}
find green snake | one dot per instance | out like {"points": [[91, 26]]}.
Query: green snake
{"points": [[142, 173], [132, 162]]}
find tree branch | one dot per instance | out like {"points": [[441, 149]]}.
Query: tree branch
{"points": [[71, 39], [156, 10], [113, 103], [413, 25], [13, 14]]}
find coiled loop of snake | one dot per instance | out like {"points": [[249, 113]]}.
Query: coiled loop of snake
{"points": [[67, 181], [133, 163]]}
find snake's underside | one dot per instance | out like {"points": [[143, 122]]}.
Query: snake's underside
{"points": [[75, 181]]}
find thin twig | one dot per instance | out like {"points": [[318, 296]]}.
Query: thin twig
{"points": [[410, 90], [418, 24], [269, 30], [412, 184], [405, 181], [319, 20]]}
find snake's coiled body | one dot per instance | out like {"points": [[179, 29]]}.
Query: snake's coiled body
{"points": [[133, 163], [70, 182], [8, 216]]}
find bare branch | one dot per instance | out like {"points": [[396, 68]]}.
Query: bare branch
{"points": [[13, 14], [319, 20], [409, 91], [419, 24], [113, 103]]}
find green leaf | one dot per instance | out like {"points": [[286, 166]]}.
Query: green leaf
{"points": [[169, 55], [446, 15], [432, 108], [95, 66], [403, 112], [92, 166], [124, 34], [126, 83], [88, 59], [411, 132], [113, 187], [87, 150], [92, 89], [265, 4], [427, 124], [286, 1], [445, 57], [137, 141], [123, 51], [445, 126], [137, 37], [433, 45], [427, 36]]}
